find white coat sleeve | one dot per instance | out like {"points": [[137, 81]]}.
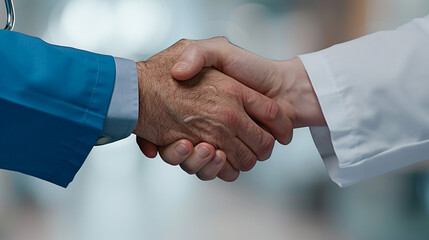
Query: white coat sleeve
{"points": [[374, 94]]}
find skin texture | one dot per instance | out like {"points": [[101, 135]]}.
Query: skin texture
{"points": [[286, 82], [210, 107]]}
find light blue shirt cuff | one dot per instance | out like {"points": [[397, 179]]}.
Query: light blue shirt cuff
{"points": [[123, 111]]}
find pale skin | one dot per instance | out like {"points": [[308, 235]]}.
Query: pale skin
{"points": [[285, 82], [210, 107]]}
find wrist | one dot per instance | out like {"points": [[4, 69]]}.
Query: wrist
{"points": [[300, 94], [140, 66]]}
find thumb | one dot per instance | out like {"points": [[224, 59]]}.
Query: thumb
{"points": [[149, 149], [189, 64], [245, 67], [267, 112]]}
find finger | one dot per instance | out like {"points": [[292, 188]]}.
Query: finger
{"points": [[257, 139], [177, 152], [239, 155], [213, 167], [228, 173], [149, 149], [202, 154], [190, 63], [267, 112], [242, 65]]}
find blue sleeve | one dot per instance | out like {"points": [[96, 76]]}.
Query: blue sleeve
{"points": [[123, 110], [53, 103]]}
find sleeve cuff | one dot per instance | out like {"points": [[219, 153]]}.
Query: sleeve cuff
{"points": [[123, 109], [335, 143], [344, 153]]}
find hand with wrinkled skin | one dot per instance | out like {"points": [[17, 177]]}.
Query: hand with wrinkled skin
{"points": [[286, 82], [211, 107]]}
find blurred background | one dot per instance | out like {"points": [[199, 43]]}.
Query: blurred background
{"points": [[120, 194]]}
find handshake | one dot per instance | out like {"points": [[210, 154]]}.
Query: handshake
{"points": [[216, 109]]}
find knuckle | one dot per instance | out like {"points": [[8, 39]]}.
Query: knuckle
{"points": [[193, 47], [222, 39], [247, 161], [169, 159], [266, 147], [272, 110], [228, 173], [287, 134], [229, 177], [184, 42], [205, 176], [230, 118], [189, 168], [173, 162]]}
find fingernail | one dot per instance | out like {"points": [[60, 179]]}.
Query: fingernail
{"points": [[217, 160], [181, 66], [203, 152], [181, 149]]}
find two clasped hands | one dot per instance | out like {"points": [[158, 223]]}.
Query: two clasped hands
{"points": [[216, 109]]}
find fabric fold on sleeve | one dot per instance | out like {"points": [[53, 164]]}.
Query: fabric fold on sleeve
{"points": [[373, 94]]}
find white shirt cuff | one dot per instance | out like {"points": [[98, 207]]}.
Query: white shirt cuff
{"points": [[123, 109]]}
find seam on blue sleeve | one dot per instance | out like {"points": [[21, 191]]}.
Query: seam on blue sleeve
{"points": [[93, 91], [57, 176]]}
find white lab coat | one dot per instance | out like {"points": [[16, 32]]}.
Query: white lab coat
{"points": [[374, 94]]}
